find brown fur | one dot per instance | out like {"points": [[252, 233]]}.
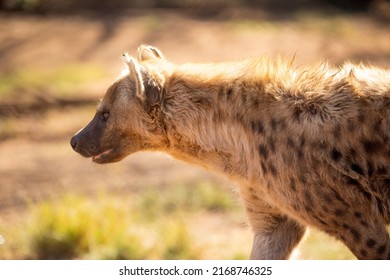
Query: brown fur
{"points": [[308, 146]]}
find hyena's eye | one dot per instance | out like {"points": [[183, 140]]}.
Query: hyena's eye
{"points": [[105, 116]]}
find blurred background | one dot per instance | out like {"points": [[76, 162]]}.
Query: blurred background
{"points": [[56, 60]]}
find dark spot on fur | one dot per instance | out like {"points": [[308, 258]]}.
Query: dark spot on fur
{"points": [[229, 93], [357, 214], [336, 155], [272, 169], [297, 115], [351, 181], [263, 151], [363, 223], [257, 127], [255, 197], [386, 182], [282, 123], [277, 123], [345, 226], [382, 170], [370, 243], [381, 249], [239, 118], [357, 168], [290, 143], [363, 252], [372, 147], [302, 141], [356, 235], [274, 124], [300, 153], [339, 212], [370, 169], [313, 109], [221, 93]]}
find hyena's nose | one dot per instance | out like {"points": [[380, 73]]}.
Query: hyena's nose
{"points": [[73, 142]]}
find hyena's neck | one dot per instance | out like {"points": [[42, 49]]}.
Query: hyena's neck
{"points": [[214, 116]]}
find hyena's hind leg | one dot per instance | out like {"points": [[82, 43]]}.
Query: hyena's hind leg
{"points": [[275, 235]]}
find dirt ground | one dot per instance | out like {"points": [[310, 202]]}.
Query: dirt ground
{"points": [[36, 161]]}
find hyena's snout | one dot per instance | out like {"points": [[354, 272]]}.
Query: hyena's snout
{"points": [[83, 144], [76, 142], [86, 140]]}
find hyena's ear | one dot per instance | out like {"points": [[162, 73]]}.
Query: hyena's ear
{"points": [[149, 52], [135, 74], [147, 88]]}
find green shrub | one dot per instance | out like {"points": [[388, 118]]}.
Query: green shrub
{"points": [[178, 244], [77, 227]]}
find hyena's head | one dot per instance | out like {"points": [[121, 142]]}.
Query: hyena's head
{"points": [[127, 118]]}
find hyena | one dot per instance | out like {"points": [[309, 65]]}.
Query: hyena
{"points": [[307, 146]]}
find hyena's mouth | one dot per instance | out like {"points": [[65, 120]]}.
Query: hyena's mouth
{"points": [[100, 158]]}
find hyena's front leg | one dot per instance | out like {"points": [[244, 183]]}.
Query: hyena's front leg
{"points": [[275, 235], [276, 239]]}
